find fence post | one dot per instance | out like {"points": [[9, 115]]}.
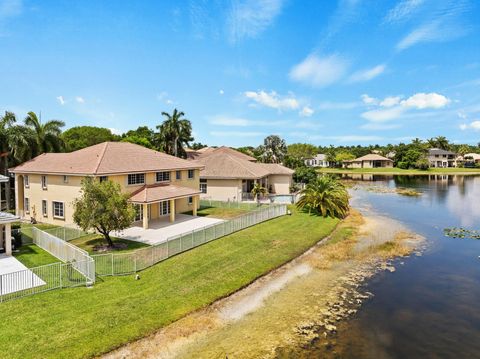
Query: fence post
{"points": [[111, 255], [193, 233], [60, 274]]}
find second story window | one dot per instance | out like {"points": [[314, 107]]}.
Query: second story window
{"points": [[191, 174], [26, 181], [136, 178], [203, 185], [163, 176], [103, 178], [65, 179], [44, 182], [178, 175]]}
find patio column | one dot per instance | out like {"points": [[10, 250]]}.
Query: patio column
{"points": [[145, 215], [8, 239], [195, 205], [172, 210]]}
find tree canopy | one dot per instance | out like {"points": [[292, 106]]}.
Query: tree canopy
{"points": [[175, 133], [79, 137]]}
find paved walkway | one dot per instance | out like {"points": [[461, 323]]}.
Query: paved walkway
{"points": [[161, 229], [21, 279]]}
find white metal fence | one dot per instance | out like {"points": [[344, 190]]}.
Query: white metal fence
{"points": [[230, 204], [66, 233], [125, 263], [66, 252]]}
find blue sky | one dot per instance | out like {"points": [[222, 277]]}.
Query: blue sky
{"points": [[324, 72]]}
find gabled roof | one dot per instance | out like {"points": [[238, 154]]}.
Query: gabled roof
{"points": [[439, 151], [161, 192], [370, 157], [223, 165], [276, 169], [104, 159], [208, 151]]}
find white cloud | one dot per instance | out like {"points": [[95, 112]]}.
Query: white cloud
{"points": [[328, 105], [307, 125], [381, 115], [248, 18], [229, 121], [390, 101], [474, 125], [319, 71], [367, 74], [221, 92], [228, 134], [403, 10], [80, 99], [306, 111], [60, 100], [115, 131], [163, 97], [273, 100], [367, 100], [380, 126], [426, 100]]}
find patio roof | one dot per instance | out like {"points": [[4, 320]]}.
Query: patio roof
{"points": [[8, 217], [3, 179], [161, 192]]}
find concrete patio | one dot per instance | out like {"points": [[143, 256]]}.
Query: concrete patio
{"points": [[161, 229], [10, 283]]}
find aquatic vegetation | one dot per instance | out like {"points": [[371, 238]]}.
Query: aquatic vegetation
{"points": [[411, 192], [458, 232]]}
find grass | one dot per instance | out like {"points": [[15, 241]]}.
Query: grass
{"points": [[33, 256], [89, 242], [218, 212], [399, 171], [81, 322]]}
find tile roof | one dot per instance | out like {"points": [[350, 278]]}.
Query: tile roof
{"points": [[439, 151], [103, 159], [208, 151], [161, 192]]}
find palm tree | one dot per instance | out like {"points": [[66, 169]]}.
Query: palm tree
{"points": [[326, 196], [175, 133], [273, 150], [47, 135], [258, 190], [439, 142]]}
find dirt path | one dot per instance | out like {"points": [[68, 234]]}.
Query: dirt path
{"points": [[294, 304]]}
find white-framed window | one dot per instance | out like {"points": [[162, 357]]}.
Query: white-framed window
{"points": [[58, 209], [27, 205], [163, 176], [178, 175], [191, 174], [26, 181], [65, 179], [44, 208], [136, 178], [203, 185], [103, 178], [190, 200], [138, 212], [164, 208], [44, 182]]}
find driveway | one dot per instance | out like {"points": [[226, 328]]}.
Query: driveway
{"points": [[161, 229], [13, 281]]}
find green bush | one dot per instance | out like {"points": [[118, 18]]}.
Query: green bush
{"points": [[402, 165], [422, 164]]}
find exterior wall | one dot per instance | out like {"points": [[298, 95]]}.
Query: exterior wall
{"points": [[224, 190], [280, 184], [442, 161], [368, 164]]}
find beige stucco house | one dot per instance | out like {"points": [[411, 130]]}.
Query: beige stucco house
{"points": [[229, 175], [369, 161], [159, 185], [441, 158]]}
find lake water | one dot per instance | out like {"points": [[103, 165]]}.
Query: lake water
{"points": [[430, 306]]}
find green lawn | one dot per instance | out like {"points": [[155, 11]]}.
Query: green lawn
{"points": [[217, 212], [88, 243], [82, 322], [26, 229], [32, 256], [399, 171]]}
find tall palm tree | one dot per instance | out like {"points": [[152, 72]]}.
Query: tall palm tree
{"points": [[326, 196], [439, 142], [175, 133], [273, 150], [47, 135]]}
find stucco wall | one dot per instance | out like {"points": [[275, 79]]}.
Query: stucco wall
{"points": [[280, 184], [223, 189]]}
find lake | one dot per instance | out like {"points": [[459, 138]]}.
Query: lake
{"points": [[430, 306]]}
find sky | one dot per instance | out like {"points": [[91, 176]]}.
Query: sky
{"points": [[322, 72]]}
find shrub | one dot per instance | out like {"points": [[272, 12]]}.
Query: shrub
{"points": [[402, 165], [422, 164]]}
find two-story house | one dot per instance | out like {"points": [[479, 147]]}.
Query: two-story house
{"points": [[320, 160], [441, 158], [159, 185]]}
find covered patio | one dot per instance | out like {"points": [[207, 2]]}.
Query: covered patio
{"points": [[6, 220], [161, 229]]}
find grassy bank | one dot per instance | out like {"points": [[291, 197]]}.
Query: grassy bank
{"points": [[81, 322], [399, 171]]}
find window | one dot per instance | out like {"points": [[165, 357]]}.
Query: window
{"points": [[138, 212], [191, 174], [203, 185], [65, 179], [178, 175], [58, 209], [164, 208], [103, 179], [136, 178], [44, 182], [26, 181], [44, 208], [190, 200], [163, 176], [27, 205]]}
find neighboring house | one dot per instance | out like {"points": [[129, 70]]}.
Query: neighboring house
{"points": [[229, 175], [471, 158], [5, 180], [441, 158], [6, 220], [159, 185], [369, 161], [319, 160]]}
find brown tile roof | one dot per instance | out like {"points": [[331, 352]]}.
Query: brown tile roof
{"points": [[103, 159], [208, 151], [161, 192], [276, 169]]}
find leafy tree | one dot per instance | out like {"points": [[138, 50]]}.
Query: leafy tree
{"points": [[248, 150], [273, 149], [463, 149], [47, 135], [422, 164], [342, 156], [143, 136], [197, 146], [79, 137], [325, 196], [142, 141], [175, 134], [258, 190], [305, 175], [103, 207]]}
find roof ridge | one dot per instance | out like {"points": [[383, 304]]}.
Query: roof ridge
{"points": [[239, 160], [102, 154]]}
